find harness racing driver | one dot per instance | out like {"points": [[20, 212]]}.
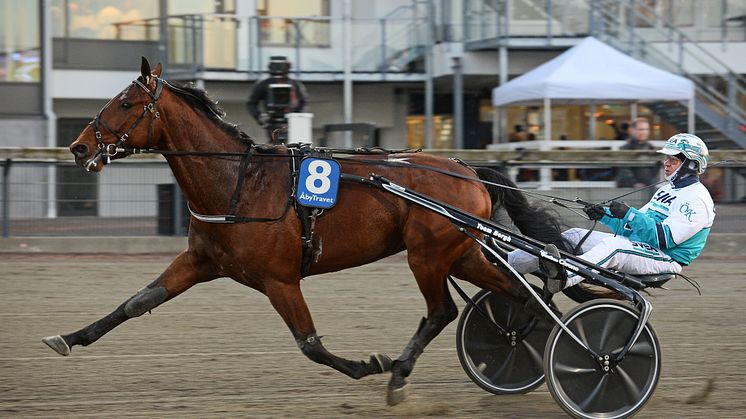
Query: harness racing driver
{"points": [[663, 236]]}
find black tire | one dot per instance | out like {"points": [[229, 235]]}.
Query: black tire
{"points": [[577, 381], [488, 357]]}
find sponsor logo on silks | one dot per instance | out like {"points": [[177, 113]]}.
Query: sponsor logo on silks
{"points": [[688, 212], [644, 247], [318, 182], [664, 197]]}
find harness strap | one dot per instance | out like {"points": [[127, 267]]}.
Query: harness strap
{"points": [[307, 217], [245, 160]]}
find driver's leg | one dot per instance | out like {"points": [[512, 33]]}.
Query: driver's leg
{"points": [[525, 263], [621, 254]]}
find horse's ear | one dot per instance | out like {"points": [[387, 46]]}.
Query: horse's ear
{"points": [[157, 70], [145, 70]]}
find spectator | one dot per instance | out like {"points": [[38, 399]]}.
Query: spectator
{"points": [[518, 135], [638, 176], [279, 95], [622, 131]]}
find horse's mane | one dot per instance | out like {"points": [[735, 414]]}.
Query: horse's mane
{"points": [[197, 98]]}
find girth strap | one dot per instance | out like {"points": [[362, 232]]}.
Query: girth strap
{"points": [[245, 160], [307, 216]]}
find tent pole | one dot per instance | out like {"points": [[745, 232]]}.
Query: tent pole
{"points": [[592, 120], [502, 127], [545, 173], [690, 117], [547, 123], [633, 111]]}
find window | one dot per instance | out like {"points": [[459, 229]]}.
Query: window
{"points": [[20, 44], [277, 29], [110, 19]]}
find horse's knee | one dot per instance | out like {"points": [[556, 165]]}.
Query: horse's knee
{"points": [[145, 300], [312, 348]]}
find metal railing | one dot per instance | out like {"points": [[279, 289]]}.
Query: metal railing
{"points": [[200, 42], [136, 196], [666, 46]]}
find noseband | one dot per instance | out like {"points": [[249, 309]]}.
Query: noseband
{"points": [[106, 151]]}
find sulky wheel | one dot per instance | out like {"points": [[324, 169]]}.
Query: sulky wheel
{"points": [[500, 363], [578, 381]]}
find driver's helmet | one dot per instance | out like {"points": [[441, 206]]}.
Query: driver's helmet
{"points": [[691, 146]]}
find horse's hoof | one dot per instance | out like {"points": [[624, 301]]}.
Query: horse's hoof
{"points": [[395, 396], [58, 344], [381, 361]]}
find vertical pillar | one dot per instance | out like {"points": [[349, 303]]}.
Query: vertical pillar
{"points": [[347, 85], [6, 198], [45, 41], [429, 89], [458, 104]]}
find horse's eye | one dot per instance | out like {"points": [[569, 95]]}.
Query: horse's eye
{"points": [[126, 105]]}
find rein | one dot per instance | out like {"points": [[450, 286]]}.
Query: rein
{"points": [[106, 151]]}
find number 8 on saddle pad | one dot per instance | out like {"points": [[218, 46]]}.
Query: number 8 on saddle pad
{"points": [[318, 182]]}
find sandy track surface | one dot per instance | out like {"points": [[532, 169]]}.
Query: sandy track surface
{"points": [[220, 350]]}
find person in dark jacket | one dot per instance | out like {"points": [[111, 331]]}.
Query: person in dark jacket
{"points": [[638, 176], [272, 98]]}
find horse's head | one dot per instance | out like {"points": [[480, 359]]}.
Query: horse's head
{"points": [[127, 120]]}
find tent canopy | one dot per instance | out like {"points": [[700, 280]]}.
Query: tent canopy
{"points": [[592, 70]]}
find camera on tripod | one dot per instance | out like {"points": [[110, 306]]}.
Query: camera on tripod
{"points": [[278, 100]]}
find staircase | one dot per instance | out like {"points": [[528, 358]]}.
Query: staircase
{"points": [[719, 120], [676, 114]]}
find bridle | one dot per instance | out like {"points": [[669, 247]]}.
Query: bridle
{"points": [[107, 151]]}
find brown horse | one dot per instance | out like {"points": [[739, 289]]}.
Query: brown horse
{"points": [[365, 225]]}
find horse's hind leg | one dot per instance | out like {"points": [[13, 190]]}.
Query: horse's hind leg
{"points": [[183, 272], [441, 310], [476, 269], [288, 300]]}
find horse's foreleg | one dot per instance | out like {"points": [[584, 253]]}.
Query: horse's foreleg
{"points": [[183, 272], [441, 310], [288, 300]]}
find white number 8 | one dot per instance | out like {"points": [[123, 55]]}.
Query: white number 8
{"points": [[319, 170]]}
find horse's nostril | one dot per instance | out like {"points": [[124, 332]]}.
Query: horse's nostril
{"points": [[80, 150]]}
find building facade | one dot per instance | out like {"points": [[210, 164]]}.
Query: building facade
{"points": [[422, 70]]}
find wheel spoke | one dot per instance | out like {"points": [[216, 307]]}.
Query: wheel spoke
{"points": [[509, 316], [506, 366], [642, 347], [630, 387], [580, 331], [565, 369], [613, 319], [595, 394], [488, 310], [533, 354]]}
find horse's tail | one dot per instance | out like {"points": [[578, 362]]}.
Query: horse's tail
{"points": [[535, 222]]}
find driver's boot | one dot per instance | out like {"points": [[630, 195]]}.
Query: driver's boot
{"points": [[556, 274]]}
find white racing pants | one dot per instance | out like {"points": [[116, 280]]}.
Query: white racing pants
{"points": [[608, 251]]}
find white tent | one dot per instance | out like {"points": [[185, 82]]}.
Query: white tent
{"points": [[594, 71]]}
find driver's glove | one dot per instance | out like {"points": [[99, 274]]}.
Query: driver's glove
{"points": [[618, 209], [595, 212]]}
